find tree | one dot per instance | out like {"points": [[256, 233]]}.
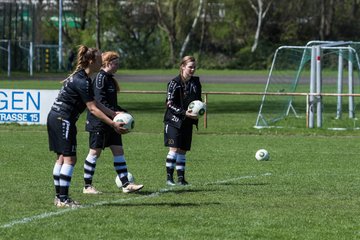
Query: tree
{"points": [[97, 16], [187, 39], [326, 18], [223, 33], [178, 20], [135, 33], [79, 20], [166, 14], [261, 13]]}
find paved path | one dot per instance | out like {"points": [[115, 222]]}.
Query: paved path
{"points": [[203, 78], [156, 78], [256, 79]]}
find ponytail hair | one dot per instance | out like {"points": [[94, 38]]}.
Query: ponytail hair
{"points": [[84, 56]]}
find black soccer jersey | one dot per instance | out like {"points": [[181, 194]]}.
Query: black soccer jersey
{"points": [[73, 96], [179, 96], [105, 92]]}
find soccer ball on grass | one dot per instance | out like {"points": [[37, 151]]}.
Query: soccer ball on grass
{"points": [[262, 155], [119, 183]]}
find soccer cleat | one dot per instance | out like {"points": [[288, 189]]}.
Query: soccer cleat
{"points": [[56, 200], [91, 190], [170, 183], [68, 203], [183, 183], [132, 187]]}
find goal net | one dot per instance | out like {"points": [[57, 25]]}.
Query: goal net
{"points": [[314, 85]]}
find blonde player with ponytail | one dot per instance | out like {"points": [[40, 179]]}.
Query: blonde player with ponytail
{"points": [[74, 97]]}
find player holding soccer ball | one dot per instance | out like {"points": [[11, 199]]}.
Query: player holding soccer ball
{"points": [[178, 120], [105, 92], [74, 97]]}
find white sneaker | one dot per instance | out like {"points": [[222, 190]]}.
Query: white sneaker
{"points": [[91, 190], [132, 187], [69, 203], [56, 200], [170, 183]]}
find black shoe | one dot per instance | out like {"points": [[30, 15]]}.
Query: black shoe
{"points": [[183, 183]]}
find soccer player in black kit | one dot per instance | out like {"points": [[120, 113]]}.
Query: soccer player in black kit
{"points": [[179, 121], [74, 97], [105, 91]]}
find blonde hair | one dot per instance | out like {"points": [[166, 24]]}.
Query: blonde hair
{"points": [[84, 56], [185, 60], [107, 57]]}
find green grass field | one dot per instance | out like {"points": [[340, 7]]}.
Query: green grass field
{"points": [[308, 190]]}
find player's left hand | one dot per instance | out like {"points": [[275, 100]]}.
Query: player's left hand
{"points": [[118, 126], [190, 115]]}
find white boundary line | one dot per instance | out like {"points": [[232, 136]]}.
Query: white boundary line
{"points": [[155, 194]]}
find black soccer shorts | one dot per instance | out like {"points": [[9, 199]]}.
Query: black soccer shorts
{"points": [[104, 139], [178, 138], [62, 134]]}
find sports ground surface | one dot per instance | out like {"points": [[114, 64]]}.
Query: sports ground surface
{"points": [[260, 77], [308, 190]]}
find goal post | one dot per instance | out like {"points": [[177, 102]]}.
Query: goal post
{"points": [[317, 68]]}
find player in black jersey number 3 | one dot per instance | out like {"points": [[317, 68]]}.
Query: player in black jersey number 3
{"points": [[101, 136], [74, 97]]}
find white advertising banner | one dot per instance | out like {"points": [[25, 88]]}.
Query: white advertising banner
{"points": [[26, 106]]}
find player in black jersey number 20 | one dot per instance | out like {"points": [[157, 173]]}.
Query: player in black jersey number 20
{"points": [[179, 122]]}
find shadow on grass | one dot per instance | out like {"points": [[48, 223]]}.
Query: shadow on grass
{"points": [[175, 190], [163, 204], [239, 184]]}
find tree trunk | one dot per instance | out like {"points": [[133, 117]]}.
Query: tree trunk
{"points": [[322, 20], [169, 30], [260, 16], [187, 39], [259, 20], [97, 8], [329, 21], [202, 34]]}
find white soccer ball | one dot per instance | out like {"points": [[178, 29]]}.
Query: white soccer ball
{"points": [[198, 108], [262, 155], [119, 183], [127, 119]]}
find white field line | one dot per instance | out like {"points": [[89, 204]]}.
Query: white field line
{"points": [[155, 194]]}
